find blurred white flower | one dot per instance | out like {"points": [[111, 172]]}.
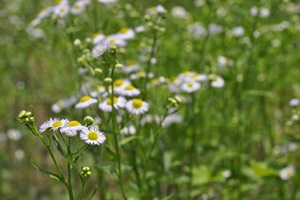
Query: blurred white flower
{"points": [[294, 102], [287, 172], [19, 154], [237, 31], [14, 134], [179, 12]]}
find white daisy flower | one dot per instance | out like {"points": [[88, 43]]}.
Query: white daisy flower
{"points": [[125, 34], [119, 84], [115, 40], [85, 101], [172, 119], [92, 136], [131, 66], [71, 128], [78, 7], [287, 172], [63, 104], [217, 81], [191, 86], [118, 102], [99, 50], [98, 38], [137, 106], [61, 10], [129, 91], [53, 124]]}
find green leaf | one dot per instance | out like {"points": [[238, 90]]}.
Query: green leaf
{"points": [[201, 175], [93, 194], [262, 170], [127, 139], [58, 147], [50, 174], [168, 197]]}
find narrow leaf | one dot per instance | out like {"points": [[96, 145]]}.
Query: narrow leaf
{"points": [[58, 147], [94, 192], [47, 173], [126, 140]]}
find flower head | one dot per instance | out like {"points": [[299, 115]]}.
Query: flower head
{"points": [[117, 102], [71, 128], [137, 106], [53, 124], [287, 172], [92, 136], [85, 101]]}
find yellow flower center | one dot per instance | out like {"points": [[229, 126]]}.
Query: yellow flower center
{"points": [[195, 75], [154, 81], [85, 98], [131, 62], [57, 124], [129, 87], [118, 82], [73, 123], [137, 103], [95, 35], [124, 30], [57, 2], [190, 85], [109, 102], [141, 74], [92, 135]]}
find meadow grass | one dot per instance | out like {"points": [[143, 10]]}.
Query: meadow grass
{"points": [[219, 123]]}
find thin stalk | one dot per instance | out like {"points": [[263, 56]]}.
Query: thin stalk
{"points": [[115, 136], [70, 162]]}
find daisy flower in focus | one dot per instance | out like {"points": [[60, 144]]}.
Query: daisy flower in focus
{"points": [[118, 102], [137, 106], [92, 136], [129, 90], [71, 128], [287, 172], [53, 124], [85, 101]]}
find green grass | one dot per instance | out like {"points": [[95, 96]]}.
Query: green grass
{"points": [[239, 127]]}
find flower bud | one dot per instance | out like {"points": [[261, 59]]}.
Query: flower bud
{"points": [[118, 66], [22, 114], [108, 80], [77, 42], [98, 71], [88, 120]]}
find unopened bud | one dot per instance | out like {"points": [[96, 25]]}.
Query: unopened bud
{"points": [[88, 120], [77, 42], [108, 80], [98, 71], [118, 66]]}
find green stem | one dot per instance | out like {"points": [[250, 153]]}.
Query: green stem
{"points": [[115, 136], [149, 64], [70, 162]]}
